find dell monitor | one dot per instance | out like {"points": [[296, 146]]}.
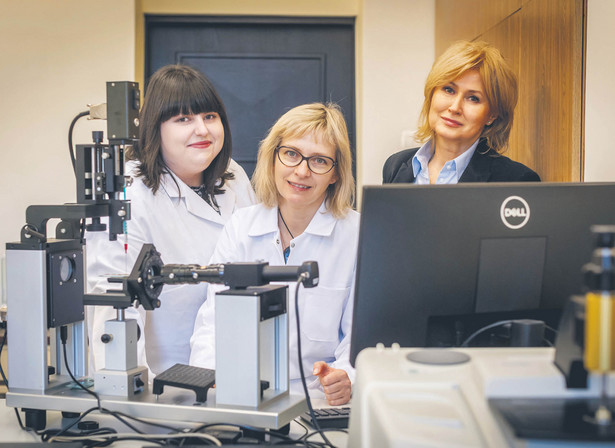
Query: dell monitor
{"points": [[438, 262]]}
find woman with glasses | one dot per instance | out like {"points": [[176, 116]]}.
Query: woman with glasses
{"points": [[303, 178]]}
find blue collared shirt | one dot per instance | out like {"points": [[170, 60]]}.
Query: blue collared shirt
{"points": [[451, 171]]}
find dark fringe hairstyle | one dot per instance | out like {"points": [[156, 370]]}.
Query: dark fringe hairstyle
{"points": [[174, 90]]}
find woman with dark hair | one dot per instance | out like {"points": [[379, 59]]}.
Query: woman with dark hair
{"points": [[185, 187], [467, 115]]}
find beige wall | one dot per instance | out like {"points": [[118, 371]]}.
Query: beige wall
{"points": [[599, 93], [252, 7], [55, 56], [397, 53]]}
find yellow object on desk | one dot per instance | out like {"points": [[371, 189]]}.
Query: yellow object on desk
{"points": [[600, 332]]}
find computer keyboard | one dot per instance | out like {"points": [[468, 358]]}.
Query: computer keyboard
{"points": [[329, 417]]}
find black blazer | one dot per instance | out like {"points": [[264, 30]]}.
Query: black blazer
{"points": [[486, 165]]}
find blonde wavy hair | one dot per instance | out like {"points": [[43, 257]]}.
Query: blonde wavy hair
{"points": [[322, 120], [498, 78]]}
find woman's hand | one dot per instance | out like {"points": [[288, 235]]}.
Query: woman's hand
{"points": [[335, 383]]}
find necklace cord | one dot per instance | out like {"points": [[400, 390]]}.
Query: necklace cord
{"points": [[285, 225]]}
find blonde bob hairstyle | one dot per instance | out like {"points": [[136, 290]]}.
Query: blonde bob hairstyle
{"points": [[498, 78], [326, 122]]}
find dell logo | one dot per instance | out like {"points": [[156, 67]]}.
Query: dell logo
{"points": [[515, 212], [508, 212]]}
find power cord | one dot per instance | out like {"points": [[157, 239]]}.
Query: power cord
{"points": [[3, 326], [71, 150], [266, 432], [500, 323], [313, 433], [508, 324], [305, 429], [63, 338], [302, 277], [47, 435]]}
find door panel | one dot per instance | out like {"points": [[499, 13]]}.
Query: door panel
{"points": [[260, 66], [254, 100]]}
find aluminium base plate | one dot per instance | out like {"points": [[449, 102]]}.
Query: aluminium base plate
{"points": [[174, 404]]}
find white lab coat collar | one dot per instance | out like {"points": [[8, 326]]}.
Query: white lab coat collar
{"points": [[194, 203], [321, 224]]}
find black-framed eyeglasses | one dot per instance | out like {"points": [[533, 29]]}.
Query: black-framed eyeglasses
{"points": [[317, 164]]}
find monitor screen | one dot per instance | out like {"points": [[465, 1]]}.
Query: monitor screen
{"points": [[438, 262]]}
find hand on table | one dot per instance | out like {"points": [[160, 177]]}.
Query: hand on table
{"points": [[335, 383]]}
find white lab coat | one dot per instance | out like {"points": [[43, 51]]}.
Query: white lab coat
{"points": [[325, 311], [184, 229]]}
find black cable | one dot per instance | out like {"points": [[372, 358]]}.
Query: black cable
{"points": [[210, 425], [82, 416], [119, 418], [21, 425], [502, 323], [313, 433], [70, 139], [190, 432], [116, 414], [303, 382], [6, 383], [63, 337], [142, 439], [307, 431], [82, 228], [282, 437], [111, 439], [270, 433], [144, 422], [307, 444], [50, 433], [62, 431], [483, 329]]}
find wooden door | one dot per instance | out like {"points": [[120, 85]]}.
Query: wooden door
{"points": [[544, 42]]}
